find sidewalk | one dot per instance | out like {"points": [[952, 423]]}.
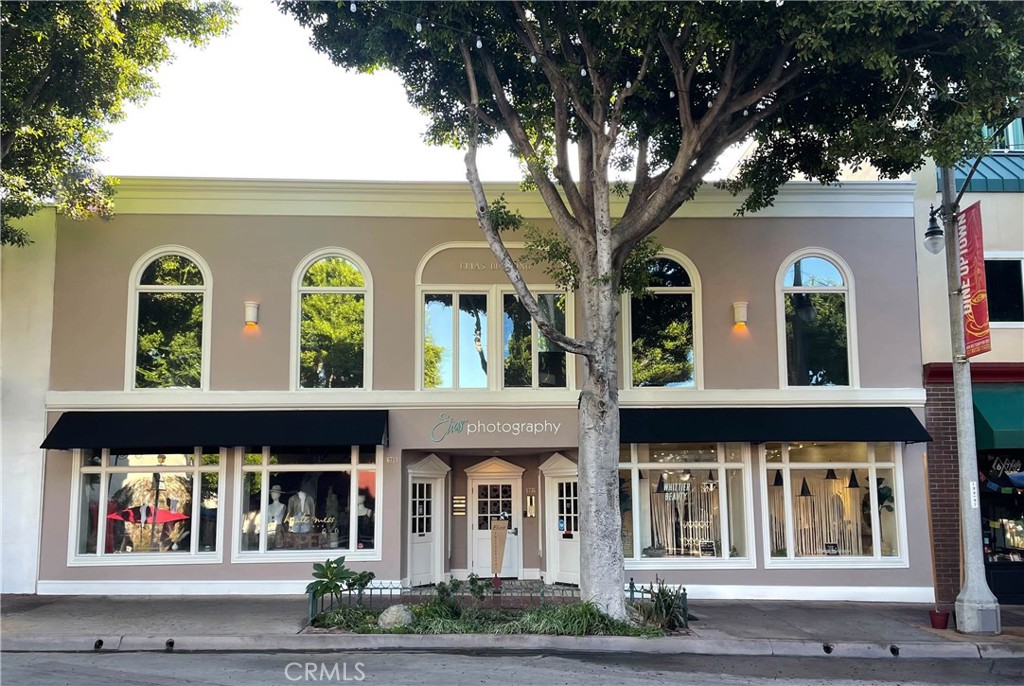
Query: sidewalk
{"points": [[273, 623]]}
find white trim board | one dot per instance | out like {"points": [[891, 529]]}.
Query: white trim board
{"points": [[363, 399], [879, 594], [277, 197], [194, 587]]}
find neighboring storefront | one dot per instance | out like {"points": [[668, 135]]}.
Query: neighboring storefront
{"points": [[387, 399]]}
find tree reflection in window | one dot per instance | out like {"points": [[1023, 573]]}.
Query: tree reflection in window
{"points": [[169, 341], [814, 296], [519, 332], [332, 327], [662, 328], [455, 346]]}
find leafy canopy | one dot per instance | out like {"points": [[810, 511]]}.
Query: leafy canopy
{"points": [[68, 70]]}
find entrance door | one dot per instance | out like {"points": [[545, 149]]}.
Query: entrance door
{"points": [[495, 498], [561, 520], [567, 537], [422, 532]]}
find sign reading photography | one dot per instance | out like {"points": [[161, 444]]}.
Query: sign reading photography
{"points": [[449, 424]]}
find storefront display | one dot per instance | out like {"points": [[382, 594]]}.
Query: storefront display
{"points": [[1002, 518]]}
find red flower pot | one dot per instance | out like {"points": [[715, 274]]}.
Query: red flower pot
{"points": [[939, 618]]}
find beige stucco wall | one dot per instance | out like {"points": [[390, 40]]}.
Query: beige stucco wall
{"points": [[255, 258], [1002, 217]]}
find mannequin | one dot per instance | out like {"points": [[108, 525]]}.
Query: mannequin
{"points": [[365, 526], [300, 513], [275, 509]]}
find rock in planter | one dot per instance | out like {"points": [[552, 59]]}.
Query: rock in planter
{"points": [[395, 616]]}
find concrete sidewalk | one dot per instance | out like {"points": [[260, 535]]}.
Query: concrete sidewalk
{"points": [[274, 623]]}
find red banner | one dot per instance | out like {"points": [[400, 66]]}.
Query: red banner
{"points": [[972, 281]]}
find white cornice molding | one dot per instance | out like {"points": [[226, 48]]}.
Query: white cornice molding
{"points": [[152, 195], [526, 400]]}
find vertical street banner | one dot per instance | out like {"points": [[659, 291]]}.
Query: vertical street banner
{"points": [[974, 294]]}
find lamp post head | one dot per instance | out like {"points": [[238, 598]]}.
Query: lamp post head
{"points": [[933, 237]]}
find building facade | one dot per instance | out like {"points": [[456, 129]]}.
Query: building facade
{"points": [[997, 376], [242, 378]]}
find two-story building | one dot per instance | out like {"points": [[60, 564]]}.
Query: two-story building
{"points": [[997, 375], [234, 379]]}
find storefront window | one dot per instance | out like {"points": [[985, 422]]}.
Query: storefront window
{"points": [[832, 500], [310, 501], [690, 503], [156, 503]]}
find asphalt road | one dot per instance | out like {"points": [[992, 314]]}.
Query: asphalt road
{"points": [[439, 669]]}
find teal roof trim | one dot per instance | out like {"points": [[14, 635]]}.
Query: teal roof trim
{"points": [[999, 172]]}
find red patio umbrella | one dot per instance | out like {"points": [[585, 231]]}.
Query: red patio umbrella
{"points": [[146, 515]]}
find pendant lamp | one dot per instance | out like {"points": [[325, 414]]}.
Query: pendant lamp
{"points": [[853, 480], [778, 478], [804, 490]]}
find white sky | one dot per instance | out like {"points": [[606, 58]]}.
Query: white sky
{"points": [[261, 103]]}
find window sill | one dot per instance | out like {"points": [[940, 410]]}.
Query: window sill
{"points": [[690, 563], [314, 555], [144, 560], [838, 562]]}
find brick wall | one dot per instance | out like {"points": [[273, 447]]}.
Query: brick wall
{"points": [[943, 491]]}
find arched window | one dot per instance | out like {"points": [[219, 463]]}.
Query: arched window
{"points": [[171, 311], [332, 294], [816, 321], [662, 327]]}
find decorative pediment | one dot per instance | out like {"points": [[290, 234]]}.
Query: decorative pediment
{"points": [[559, 465], [431, 465], [494, 465]]}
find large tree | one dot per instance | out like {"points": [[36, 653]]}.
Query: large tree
{"points": [[659, 91], [69, 68]]}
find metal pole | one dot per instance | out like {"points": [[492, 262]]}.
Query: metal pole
{"points": [[977, 610]]}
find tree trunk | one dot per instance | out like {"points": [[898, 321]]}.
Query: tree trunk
{"points": [[601, 561]]}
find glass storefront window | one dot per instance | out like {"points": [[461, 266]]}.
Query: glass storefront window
{"points": [[680, 509], [830, 501], [296, 502], [155, 503]]}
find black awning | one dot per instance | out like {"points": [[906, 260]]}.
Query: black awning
{"points": [[762, 424], [213, 429]]}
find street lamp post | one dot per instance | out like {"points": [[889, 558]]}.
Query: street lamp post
{"points": [[977, 610]]}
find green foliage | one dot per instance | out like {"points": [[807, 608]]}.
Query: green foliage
{"points": [[478, 588], [665, 608], [357, 619], [332, 329], [68, 70], [330, 578], [575, 619], [358, 583]]}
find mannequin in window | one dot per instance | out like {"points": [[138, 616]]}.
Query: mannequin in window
{"points": [[300, 513], [275, 509], [364, 511]]}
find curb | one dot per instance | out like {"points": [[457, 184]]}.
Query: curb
{"points": [[483, 643]]}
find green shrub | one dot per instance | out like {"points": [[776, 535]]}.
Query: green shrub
{"points": [[330, 578], [665, 609], [357, 619]]}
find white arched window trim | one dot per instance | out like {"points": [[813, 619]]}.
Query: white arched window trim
{"points": [[698, 327], [296, 313], [132, 332], [851, 314]]}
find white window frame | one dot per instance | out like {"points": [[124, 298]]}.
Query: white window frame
{"points": [[695, 291], [875, 560], [132, 333], [570, 367], [314, 554], [781, 291], [1006, 255], [296, 315], [103, 559], [495, 342], [634, 466]]}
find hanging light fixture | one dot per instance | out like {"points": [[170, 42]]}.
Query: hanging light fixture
{"points": [[933, 237], [660, 488], [778, 478], [831, 475], [712, 475], [804, 490], [853, 480]]}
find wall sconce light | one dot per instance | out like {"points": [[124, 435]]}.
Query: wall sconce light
{"points": [[739, 313], [252, 313], [531, 506]]}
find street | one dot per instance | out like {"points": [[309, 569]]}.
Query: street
{"points": [[438, 669]]}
